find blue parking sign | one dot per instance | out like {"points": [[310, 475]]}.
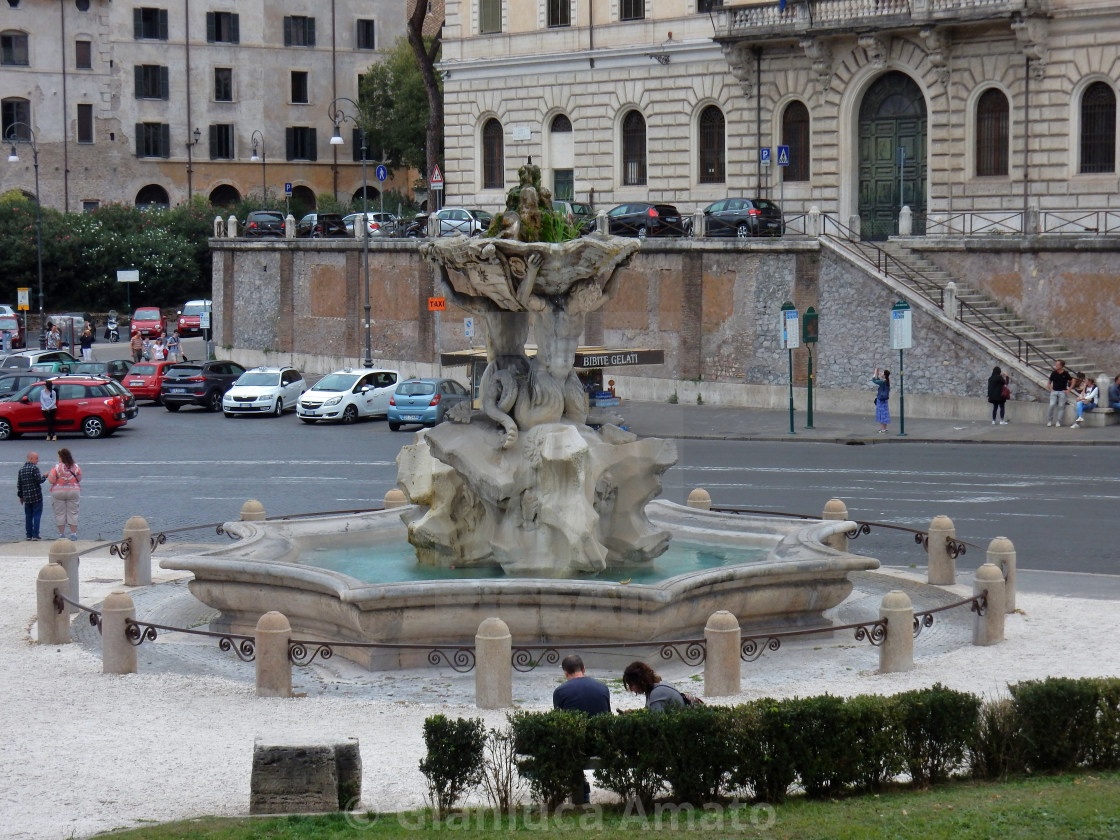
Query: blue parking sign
{"points": [[382, 172], [287, 189], [764, 156], [783, 156]]}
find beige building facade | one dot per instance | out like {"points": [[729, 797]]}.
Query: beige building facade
{"points": [[151, 102], [980, 116]]}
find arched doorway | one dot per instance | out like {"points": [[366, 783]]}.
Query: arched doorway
{"points": [[303, 200], [153, 195], [892, 155], [224, 195], [372, 195]]}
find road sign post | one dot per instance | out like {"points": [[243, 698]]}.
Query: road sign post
{"points": [[783, 160], [435, 184], [790, 339], [901, 339], [128, 276], [809, 331]]}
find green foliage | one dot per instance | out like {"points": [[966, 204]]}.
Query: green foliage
{"points": [[395, 108], [554, 747], [873, 736], [1057, 721], [499, 770], [453, 764], [673, 398], [1106, 745], [763, 731], [697, 753], [996, 751], [631, 761], [937, 725]]}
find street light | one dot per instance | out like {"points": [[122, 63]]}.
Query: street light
{"points": [[337, 116], [13, 137], [256, 139], [190, 163]]}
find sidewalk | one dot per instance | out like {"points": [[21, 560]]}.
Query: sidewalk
{"points": [[702, 422]]}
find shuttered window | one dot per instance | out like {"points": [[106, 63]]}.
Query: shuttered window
{"points": [[153, 140], [152, 81], [299, 31], [489, 16], [223, 28], [149, 24], [301, 143]]}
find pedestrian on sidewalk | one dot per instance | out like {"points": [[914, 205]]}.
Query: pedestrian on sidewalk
{"points": [[86, 343], [30, 491], [48, 404], [174, 346], [1058, 385], [999, 392], [136, 344], [882, 399], [1087, 402], [65, 479]]}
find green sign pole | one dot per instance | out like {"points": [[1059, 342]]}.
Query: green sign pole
{"points": [[901, 398], [809, 330], [809, 396], [791, 429]]}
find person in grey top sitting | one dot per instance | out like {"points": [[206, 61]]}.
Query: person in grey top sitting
{"points": [[642, 679]]}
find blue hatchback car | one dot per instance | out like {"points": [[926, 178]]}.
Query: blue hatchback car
{"points": [[424, 401]]}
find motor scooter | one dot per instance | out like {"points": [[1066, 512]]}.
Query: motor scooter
{"points": [[112, 332]]}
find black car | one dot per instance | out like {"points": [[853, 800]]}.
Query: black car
{"points": [[263, 223], [12, 383], [642, 219], [198, 383], [321, 225], [743, 217], [114, 369]]}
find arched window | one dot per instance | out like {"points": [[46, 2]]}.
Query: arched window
{"points": [[991, 133], [633, 149], [153, 195], [13, 48], [795, 134], [493, 156], [561, 156], [1098, 129], [713, 163], [16, 119], [224, 195], [560, 124]]}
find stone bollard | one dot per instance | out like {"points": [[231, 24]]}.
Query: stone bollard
{"points": [[699, 223], [118, 655], [219, 227], [138, 561], [231, 227], [836, 511], [274, 668], [853, 227], [949, 303], [1001, 554], [602, 223], [987, 629], [942, 567], [905, 221], [897, 651], [723, 662], [65, 554], [493, 671], [252, 511], [54, 626], [699, 499], [289, 226], [813, 221], [394, 499]]}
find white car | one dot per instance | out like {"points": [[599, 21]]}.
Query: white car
{"points": [[264, 390], [348, 394]]}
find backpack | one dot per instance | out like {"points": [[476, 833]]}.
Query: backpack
{"points": [[691, 701]]}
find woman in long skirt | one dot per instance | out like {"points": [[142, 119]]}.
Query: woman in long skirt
{"points": [[882, 399]]}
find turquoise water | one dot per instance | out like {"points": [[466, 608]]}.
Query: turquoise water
{"points": [[395, 563]]}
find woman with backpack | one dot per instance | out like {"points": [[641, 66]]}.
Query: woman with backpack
{"points": [[999, 393], [642, 679], [882, 399]]}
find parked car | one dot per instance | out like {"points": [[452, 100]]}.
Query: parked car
{"points": [[424, 401], [45, 369], [577, 213], [148, 321], [743, 217], [26, 358], [145, 380], [13, 383], [114, 369], [642, 219], [264, 390], [453, 220], [12, 325], [263, 223], [190, 317], [93, 406], [321, 225], [346, 395], [198, 383], [380, 223]]}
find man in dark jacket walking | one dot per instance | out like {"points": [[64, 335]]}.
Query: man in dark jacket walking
{"points": [[29, 488]]}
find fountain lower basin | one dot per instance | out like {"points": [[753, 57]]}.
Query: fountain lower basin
{"points": [[797, 581]]}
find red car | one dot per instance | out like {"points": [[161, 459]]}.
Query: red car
{"points": [[190, 317], [144, 379], [11, 324], [149, 322], [91, 405]]}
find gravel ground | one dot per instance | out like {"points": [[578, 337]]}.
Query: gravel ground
{"points": [[85, 752]]}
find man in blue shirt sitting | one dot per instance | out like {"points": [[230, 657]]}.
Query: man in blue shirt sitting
{"points": [[580, 693]]}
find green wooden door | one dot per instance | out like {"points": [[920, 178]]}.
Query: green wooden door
{"points": [[892, 117]]}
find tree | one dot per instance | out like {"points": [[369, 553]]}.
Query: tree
{"points": [[395, 108], [426, 52]]}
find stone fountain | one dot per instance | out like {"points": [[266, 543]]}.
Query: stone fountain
{"points": [[526, 483]]}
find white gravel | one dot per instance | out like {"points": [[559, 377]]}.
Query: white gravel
{"points": [[83, 752]]}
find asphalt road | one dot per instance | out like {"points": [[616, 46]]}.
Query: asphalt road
{"points": [[1057, 504]]}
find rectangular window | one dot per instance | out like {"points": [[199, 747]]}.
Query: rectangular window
{"points": [[223, 84], [90, 206], [559, 13], [12, 111], [149, 24], [705, 6], [366, 35], [489, 16], [299, 31], [564, 184], [152, 81], [223, 28], [632, 9], [299, 87], [83, 55], [221, 142], [85, 123], [356, 145], [13, 49], [153, 140], [301, 143]]}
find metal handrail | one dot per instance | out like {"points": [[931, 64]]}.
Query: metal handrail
{"points": [[138, 632]]}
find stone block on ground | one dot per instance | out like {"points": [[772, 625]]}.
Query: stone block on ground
{"points": [[304, 778]]}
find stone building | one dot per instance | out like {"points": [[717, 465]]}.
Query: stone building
{"points": [[979, 115], [150, 102]]}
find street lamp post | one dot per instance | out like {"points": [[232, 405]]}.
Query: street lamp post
{"points": [[337, 116], [14, 137], [258, 142]]}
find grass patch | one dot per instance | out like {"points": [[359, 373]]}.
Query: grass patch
{"points": [[1081, 807]]}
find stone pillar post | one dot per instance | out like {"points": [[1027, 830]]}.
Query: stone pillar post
{"points": [[942, 567], [699, 226], [65, 554], [433, 226], [54, 626], [905, 221], [987, 629], [252, 511], [138, 562], [723, 663], [1001, 554], [700, 499], [219, 227], [813, 221], [394, 499], [836, 511], [853, 226], [231, 227], [289, 226], [274, 668], [949, 303], [897, 651], [1032, 221], [118, 656], [493, 671], [602, 225]]}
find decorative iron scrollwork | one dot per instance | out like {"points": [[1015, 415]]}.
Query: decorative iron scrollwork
{"points": [[954, 548], [753, 648], [922, 539], [121, 549], [861, 529], [460, 659], [690, 653], [921, 622], [158, 540], [524, 661], [874, 633], [298, 653], [980, 603], [138, 633], [244, 648]]}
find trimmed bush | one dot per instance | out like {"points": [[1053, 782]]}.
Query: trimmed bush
{"points": [[1057, 721], [997, 749], [453, 764], [698, 753], [1106, 746], [875, 738], [763, 732], [631, 754], [553, 746], [937, 725]]}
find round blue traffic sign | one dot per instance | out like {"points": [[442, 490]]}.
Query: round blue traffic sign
{"points": [[382, 172]]}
